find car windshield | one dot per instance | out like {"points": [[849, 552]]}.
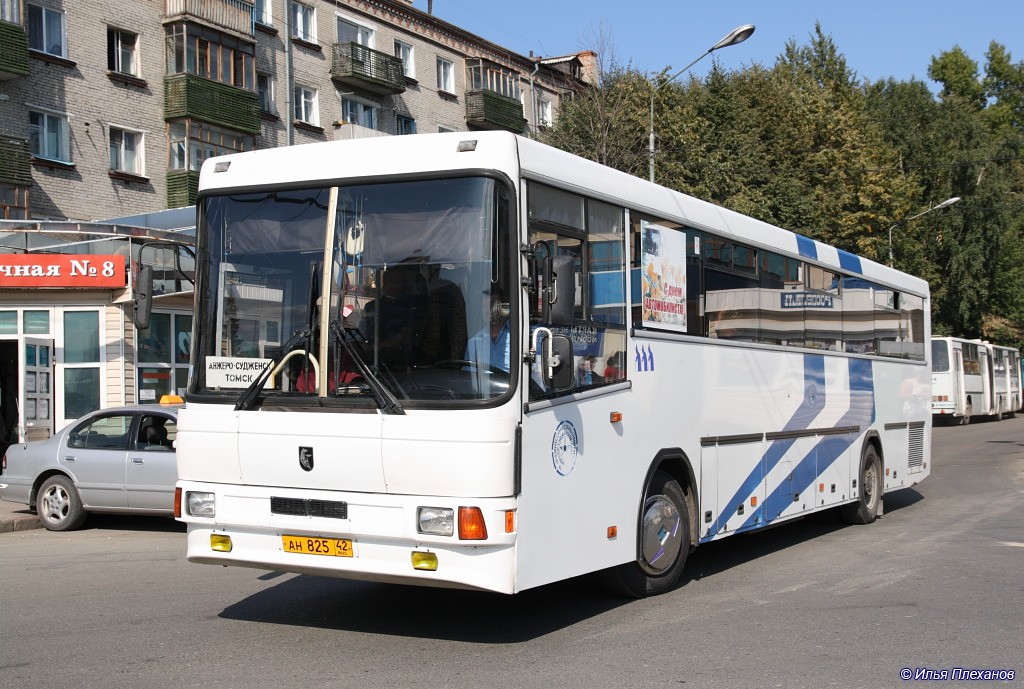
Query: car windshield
{"points": [[368, 292]]}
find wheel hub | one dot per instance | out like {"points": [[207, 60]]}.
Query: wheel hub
{"points": [[661, 539]]}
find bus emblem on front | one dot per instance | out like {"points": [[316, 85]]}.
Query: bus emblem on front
{"points": [[306, 458]]}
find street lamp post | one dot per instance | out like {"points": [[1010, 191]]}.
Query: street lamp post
{"points": [[737, 35], [944, 204]]}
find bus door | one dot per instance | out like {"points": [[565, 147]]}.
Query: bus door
{"points": [[987, 381], [26, 389], [957, 384]]}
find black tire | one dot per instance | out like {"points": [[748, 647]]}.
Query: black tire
{"points": [[869, 501], [664, 533], [58, 505]]}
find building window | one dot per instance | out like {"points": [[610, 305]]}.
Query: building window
{"points": [[303, 22], [484, 75], [121, 55], [163, 355], [403, 51], [210, 54], [544, 113], [48, 136], [350, 32], [355, 112], [306, 105], [10, 11], [193, 142], [406, 125], [265, 90], [126, 151], [46, 31], [445, 75], [13, 202], [81, 362], [262, 14]]}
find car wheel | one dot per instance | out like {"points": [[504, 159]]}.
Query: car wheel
{"points": [[58, 504]]}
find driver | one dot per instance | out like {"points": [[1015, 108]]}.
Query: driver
{"points": [[490, 346]]}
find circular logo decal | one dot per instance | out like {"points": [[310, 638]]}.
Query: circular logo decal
{"points": [[564, 448]]}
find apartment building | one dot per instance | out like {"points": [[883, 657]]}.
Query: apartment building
{"points": [[109, 109]]}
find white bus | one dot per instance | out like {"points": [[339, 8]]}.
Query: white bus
{"points": [[974, 378], [472, 360], [1006, 383]]}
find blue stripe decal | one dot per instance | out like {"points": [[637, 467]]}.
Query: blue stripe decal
{"points": [[850, 262], [806, 247], [810, 407], [861, 413]]}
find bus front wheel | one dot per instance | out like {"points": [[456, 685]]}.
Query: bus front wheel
{"points": [[664, 542], [865, 509]]}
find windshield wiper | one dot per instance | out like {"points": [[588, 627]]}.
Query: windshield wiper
{"points": [[254, 389], [387, 402]]}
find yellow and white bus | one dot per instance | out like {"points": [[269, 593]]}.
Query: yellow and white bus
{"points": [[472, 360]]}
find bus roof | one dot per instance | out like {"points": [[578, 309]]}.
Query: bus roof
{"points": [[424, 154]]}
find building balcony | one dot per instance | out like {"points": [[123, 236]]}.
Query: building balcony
{"points": [[186, 95], [365, 68], [13, 51], [236, 16], [489, 110], [15, 167], [182, 188]]}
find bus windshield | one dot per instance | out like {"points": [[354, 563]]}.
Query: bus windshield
{"points": [[940, 356], [395, 289]]}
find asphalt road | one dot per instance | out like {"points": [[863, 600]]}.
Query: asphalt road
{"points": [[935, 584]]}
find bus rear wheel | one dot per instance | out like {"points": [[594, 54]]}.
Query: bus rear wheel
{"points": [[865, 509], [664, 543]]}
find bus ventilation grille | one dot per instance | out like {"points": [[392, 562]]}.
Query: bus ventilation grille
{"points": [[309, 508], [916, 451]]}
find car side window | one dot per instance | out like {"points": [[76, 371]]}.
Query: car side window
{"points": [[157, 433], [102, 433]]}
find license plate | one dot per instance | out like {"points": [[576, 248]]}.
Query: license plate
{"points": [[311, 545]]}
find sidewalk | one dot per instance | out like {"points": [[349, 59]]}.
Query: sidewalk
{"points": [[16, 517]]}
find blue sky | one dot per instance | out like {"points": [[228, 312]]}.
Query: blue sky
{"points": [[879, 38]]}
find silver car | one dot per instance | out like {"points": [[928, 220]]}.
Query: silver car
{"points": [[111, 460]]}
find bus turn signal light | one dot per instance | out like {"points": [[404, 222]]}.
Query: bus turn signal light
{"points": [[471, 524], [510, 521], [177, 503], [615, 417]]}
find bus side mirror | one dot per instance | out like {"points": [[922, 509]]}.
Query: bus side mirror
{"points": [[561, 295], [143, 306], [558, 373]]}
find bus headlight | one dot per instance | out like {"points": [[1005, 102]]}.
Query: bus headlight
{"points": [[201, 504], [437, 521]]}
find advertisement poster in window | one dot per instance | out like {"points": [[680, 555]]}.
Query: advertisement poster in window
{"points": [[663, 266]]}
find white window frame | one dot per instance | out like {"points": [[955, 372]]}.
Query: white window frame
{"points": [[271, 105], [266, 15], [10, 11], [48, 15], [118, 66], [307, 14], [60, 366], [360, 109], [404, 52], [445, 75], [140, 149], [306, 105], [64, 154], [365, 35], [545, 112]]}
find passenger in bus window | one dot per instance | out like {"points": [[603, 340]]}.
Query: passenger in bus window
{"points": [[586, 373], [613, 371]]}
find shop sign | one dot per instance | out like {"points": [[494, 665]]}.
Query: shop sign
{"points": [[81, 271]]}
